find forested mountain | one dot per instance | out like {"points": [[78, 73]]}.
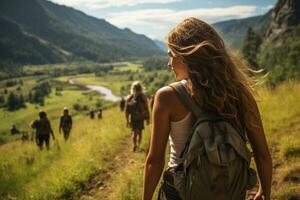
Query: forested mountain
{"points": [[280, 50], [39, 31], [270, 41]]}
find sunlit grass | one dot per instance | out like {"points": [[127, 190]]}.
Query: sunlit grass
{"points": [[280, 111], [53, 106], [26, 173]]}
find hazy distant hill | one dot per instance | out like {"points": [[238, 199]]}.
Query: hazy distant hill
{"points": [[161, 45], [233, 31], [39, 31]]}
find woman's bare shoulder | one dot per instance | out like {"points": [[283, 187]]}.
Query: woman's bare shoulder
{"points": [[165, 95]]}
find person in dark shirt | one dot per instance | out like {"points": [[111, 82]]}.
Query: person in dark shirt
{"points": [[122, 104], [43, 130], [14, 130], [100, 114], [92, 114], [65, 124]]}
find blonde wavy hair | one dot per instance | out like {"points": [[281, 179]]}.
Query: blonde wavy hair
{"points": [[218, 81], [136, 88]]}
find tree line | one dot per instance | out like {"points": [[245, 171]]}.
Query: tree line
{"points": [[36, 95], [281, 62]]}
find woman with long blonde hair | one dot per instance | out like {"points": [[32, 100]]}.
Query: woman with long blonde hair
{"points": [[218, 83], [136, 112]]}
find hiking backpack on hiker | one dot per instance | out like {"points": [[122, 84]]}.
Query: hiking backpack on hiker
{"points": [[66, 122], [215, 161], [42, 127], [136, 107]]}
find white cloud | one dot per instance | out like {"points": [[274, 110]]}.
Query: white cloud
{"points": [[269, 7], [96, 4], [161, 18], [157, 22], [266, 9]]}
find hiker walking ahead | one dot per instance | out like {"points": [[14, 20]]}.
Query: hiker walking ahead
{"points": [[214, 96], [136, 111], [122, 104], [14, 130], [92, 114], [43, 130], [100, 113], [65, 123]]}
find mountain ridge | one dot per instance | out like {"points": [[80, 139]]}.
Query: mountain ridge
{"points": [[80, 36], [233, 31]]}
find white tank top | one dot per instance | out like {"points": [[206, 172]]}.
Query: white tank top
{"points": [[178, 136]]}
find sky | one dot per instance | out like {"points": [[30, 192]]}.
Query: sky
{"points": [[155, 18]]}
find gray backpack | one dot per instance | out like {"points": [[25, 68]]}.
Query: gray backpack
{"points": [[215, 161]]}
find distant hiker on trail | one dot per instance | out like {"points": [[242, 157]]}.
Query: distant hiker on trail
{"points": [[25, 136], [92, 114], [43, 130], [100, 114], [152, 101], [210, 161], [65, 123], [14, 130], [136, 111], [122, 104]]}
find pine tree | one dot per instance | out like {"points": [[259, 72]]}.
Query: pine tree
{"points": [[30, 97], [12, 101], [21, 101], [251, 46], [2, 100]]}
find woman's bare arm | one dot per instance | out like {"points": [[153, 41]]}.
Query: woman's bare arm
{"points": [[160, 131], [126, 112], [261, 152], [147, 110]]}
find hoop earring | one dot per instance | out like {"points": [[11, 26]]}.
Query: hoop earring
{"points": [[170, 67]]}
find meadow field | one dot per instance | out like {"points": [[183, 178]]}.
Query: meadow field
{"points": [[97, 162], [54, 104]]}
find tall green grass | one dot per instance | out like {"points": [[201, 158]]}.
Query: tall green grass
{"points": [[280, 111], [128, 183], [53, 106], [27, 173]]}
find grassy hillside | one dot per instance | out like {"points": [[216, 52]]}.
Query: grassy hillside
{"points": [[93, 142], [26, 173], [100, 150], [54, 104], [280, 111]]}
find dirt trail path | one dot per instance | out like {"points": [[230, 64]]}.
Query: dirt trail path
{"points": [[100, 185]]}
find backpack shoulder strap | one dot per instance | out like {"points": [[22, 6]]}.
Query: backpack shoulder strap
{"points": [[185, 97], [130, 97]]}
